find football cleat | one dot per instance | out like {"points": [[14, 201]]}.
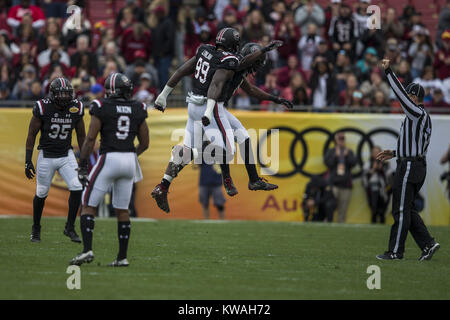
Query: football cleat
{"points": [[35, 234], [389, 256], [119, 263], [84, 257], [428, 251], [70, 232], [229, 187], [159, 193], [261, 184]]}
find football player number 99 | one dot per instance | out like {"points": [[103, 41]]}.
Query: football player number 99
{"points": [[201, 70], [123, 127]]}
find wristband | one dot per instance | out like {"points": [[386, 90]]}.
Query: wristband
{"points": [[28, 155], [166, 91], [395, 153]]}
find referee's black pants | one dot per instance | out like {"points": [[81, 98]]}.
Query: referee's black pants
{"points": [[409, 178]]}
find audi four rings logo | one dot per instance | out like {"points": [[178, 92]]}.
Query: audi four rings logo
{"points": [[298, 137]]}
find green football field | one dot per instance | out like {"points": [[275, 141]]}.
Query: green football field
{"points": [[220, 260]]}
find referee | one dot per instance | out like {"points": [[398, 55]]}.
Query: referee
{"points": [[412, 145]]}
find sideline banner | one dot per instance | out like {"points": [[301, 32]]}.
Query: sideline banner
{"points": [[303, 139]]}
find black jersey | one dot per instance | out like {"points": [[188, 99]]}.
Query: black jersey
{"points": [[121, 120], [208, 60], [57, 126], [231, 86]]}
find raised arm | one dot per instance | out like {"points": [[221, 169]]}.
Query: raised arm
{"points": [[256, 92], [411, 110], [214, 91], [186, 69], [248, 60]]}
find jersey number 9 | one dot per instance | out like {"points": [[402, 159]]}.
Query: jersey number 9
{"points": [[201, 70], [123, 127]]}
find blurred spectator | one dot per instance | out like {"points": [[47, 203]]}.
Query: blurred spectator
{"points": [[18, 12], [376, 181], [242, 101], [53, 29], [97, 91], [163, 50], [284, 74], [379, 99], [135, 70], [4, 8], [296, 82], [361, 16], [83, 57], [145, 92], [345, 96], [136, 13], [437, 100], [271, 62], [403, 73], [340, 160], [82, 86], [343, 30], [428, 81], [109, 52], [392, 52], [444, 22], [420, 51], [308, 46], [55, 9], [308, 13], [324, 52], [110, 67], [6, 75], [318, 200], [323, 85], [301, 97], [125, 22], [238, 6], [198, 31], [270, 85], [288, 32], [5, 92], [22, 88], [343, 68], [210, 186], [255, 28], [137, 38], [54, 45], [391, 26], [277, 13], [6, 53], [36, 92], [357, 99], [375, 82], [366, 63], [442, 56], [373, 38], [230, 20]]}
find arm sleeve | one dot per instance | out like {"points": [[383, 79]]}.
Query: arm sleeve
{"points": [[38, 109], [411, 110], [330, 159]]}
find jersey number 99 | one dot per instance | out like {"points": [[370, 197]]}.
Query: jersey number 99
{"points": [[123, 127], [201, 70]]}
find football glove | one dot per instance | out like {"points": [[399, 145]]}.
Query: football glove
{"points": [[288, 104], [272, 46], [160, 103], [29, 170], [83, 173]]}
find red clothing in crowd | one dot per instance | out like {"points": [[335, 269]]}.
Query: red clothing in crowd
{"points": [[16, 14], [284, 75], [442, 68], [290, 43], [192, 40], [130, 45]]}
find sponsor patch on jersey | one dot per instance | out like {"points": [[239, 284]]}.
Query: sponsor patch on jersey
{"points": [[74, 110]]}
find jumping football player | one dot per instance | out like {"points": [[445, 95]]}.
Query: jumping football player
{"points": [[225, 50], [55, 117], [119, 120]]}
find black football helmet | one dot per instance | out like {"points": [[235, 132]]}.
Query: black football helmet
{"points": [[229, 39], [61, 92], [117, 85], [249, 48]]}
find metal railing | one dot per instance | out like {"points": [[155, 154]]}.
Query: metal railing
{"points": [[179, 101]]}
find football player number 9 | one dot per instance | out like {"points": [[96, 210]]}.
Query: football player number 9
{"points": [[123, 127], [201, 70]]}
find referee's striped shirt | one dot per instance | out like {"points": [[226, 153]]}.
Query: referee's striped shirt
{"points": [[415, 132]]}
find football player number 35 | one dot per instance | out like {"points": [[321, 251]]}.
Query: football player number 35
{"points": [[123, 127], [201, 70], [60, 131]]}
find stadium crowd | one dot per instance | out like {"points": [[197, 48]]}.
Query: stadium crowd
{"points": [[330, 57]]}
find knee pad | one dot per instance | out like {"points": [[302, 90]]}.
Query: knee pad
{"points": [[182, 155], [42, 191]]}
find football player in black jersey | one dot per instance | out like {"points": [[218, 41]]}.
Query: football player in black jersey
{"points": [[207, 64], [55, 117], [119, 121]]}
